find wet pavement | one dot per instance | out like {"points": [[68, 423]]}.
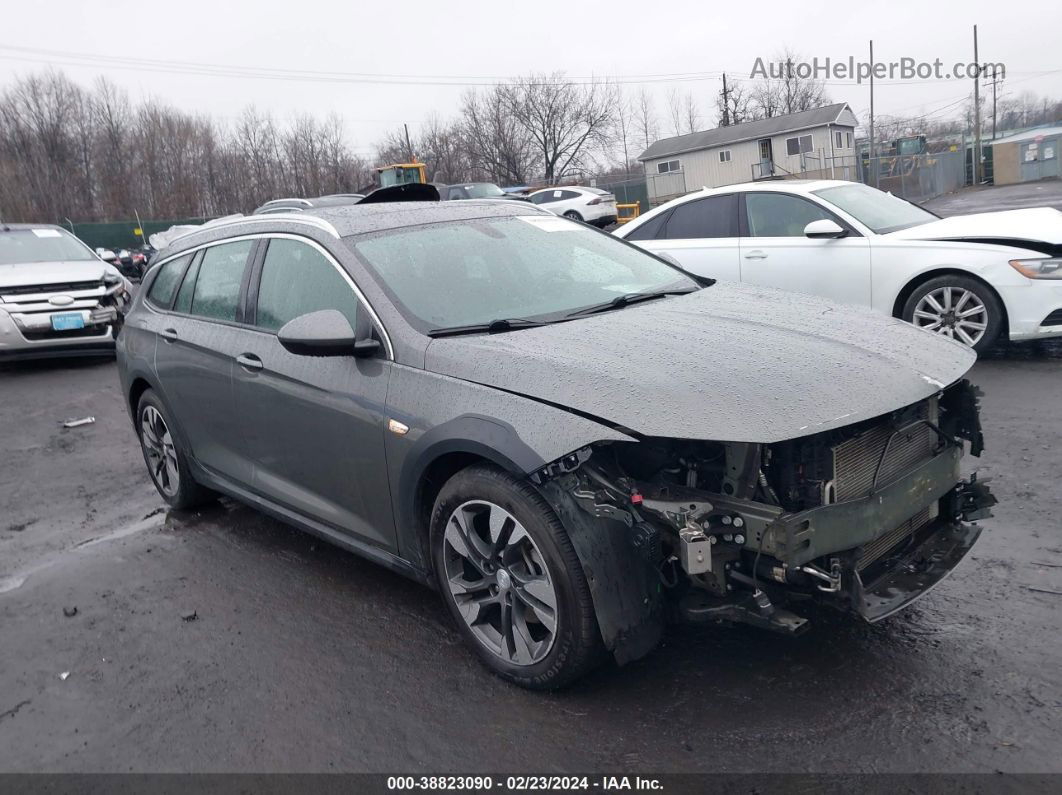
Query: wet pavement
{"points": [[1046, 193], [301, 657]]}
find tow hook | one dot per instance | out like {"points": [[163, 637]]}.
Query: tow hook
{"points": [[829, 583]]}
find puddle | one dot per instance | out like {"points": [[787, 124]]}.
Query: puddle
{"points": [[150, 522]]}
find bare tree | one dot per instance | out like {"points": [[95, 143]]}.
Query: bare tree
{"points": [[736, 106], [563, 120], [674, 111], [691, 115], [648, 124]]}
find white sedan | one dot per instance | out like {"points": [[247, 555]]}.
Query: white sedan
{"points": [[971, 278], [592, 205]]}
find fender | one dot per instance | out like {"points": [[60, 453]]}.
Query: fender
{"points": [[474, 434]]}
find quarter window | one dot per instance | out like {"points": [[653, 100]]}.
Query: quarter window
{"points": [[668, 166], [161, 293], [798, 145], [779, 215], [297, 279], [217, 286]]}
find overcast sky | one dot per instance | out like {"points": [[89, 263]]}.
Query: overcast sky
{"points": [[455, 43]]}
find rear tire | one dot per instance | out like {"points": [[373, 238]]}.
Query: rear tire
{"points": [[166, 462], [512, 581], [573, 215], [957, 307]]}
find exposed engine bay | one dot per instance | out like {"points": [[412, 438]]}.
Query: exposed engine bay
{"points": [[865, 518]]}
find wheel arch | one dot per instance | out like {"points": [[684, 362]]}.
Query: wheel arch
{"points": [[438, 456], [917, 281], [137, 388]]}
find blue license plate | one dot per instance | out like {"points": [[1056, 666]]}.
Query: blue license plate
{"points": [[67, 322]]}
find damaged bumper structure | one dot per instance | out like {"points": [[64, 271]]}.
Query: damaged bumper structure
{"points": [[865, 518]]}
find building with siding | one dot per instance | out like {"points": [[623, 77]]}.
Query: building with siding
{"points": [[817, 143], [1028, 156]]}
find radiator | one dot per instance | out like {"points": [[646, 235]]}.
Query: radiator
{"points": [[856, 460]]}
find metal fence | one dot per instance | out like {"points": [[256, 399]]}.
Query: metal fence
{"points": [[915, 177], [122, 234]]}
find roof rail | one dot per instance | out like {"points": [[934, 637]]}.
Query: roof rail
{"points": [[310, 220], [307, 202]]}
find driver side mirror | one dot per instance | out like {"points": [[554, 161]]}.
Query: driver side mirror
{"points": [[326, 332], [824, 228], [105, 254]]}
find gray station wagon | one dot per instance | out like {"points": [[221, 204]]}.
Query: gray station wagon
{"points": [[572, 439]]}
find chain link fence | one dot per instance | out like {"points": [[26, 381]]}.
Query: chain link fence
{"points": [[915, 177]]}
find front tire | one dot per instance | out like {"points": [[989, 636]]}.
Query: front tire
{"points": [[957, 307], [512, 581], [166, 462]]}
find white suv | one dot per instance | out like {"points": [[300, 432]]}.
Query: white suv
{"points": [[592, 205]]}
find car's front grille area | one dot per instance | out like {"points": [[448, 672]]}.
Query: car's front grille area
{"points": [[47, 289], [885, 543], [1054, 319], [856, 460]]}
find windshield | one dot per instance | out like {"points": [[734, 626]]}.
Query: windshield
{"points": [[881, 212], [530, 267], [18, 246]]}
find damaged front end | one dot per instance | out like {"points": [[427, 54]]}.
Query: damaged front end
{"points": [[866, 518]]}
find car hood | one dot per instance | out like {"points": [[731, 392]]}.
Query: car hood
{"points": [[1040, 224], [33, 273], [730, 363]]}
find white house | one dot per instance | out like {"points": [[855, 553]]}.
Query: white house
{"points": [[819, 143]]}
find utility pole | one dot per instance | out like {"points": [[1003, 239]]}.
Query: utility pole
{"points": [[873, 165], [409, 146], [977, 116], [995, 82], [726, 103]]}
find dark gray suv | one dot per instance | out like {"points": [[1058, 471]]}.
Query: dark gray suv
{"points": [[572, 439]]}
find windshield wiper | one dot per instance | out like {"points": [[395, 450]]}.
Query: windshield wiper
{"points": [[493, 327], [625, 300]]}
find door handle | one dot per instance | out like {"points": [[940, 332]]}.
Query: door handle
{"points": [[169, 334], [249, 361], [757, 254]]}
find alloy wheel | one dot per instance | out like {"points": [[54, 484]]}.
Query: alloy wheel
{"points": [[500, 583], [954, 312], [160, 452]]}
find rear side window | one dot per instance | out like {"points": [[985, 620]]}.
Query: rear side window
{"points": [[161, 292], [296, 279], [715, 216], [650, 230], [217, 287], [184, 295]]}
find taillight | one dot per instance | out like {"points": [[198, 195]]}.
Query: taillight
{"points": [[602, 200]]}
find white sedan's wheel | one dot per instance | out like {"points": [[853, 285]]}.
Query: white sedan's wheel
{"points": [[953, 312], [958, 307]]}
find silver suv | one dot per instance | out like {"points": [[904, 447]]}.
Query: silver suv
{"points": [[57, 298]]}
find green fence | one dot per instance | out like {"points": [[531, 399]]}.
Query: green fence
{"points": [[122, 234]]}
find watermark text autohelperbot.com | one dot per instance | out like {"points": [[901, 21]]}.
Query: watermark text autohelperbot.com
{"points": [[861, 71]]}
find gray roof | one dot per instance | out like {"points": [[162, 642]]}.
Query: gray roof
{"points": [[1030, 135], [763, 128]]}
